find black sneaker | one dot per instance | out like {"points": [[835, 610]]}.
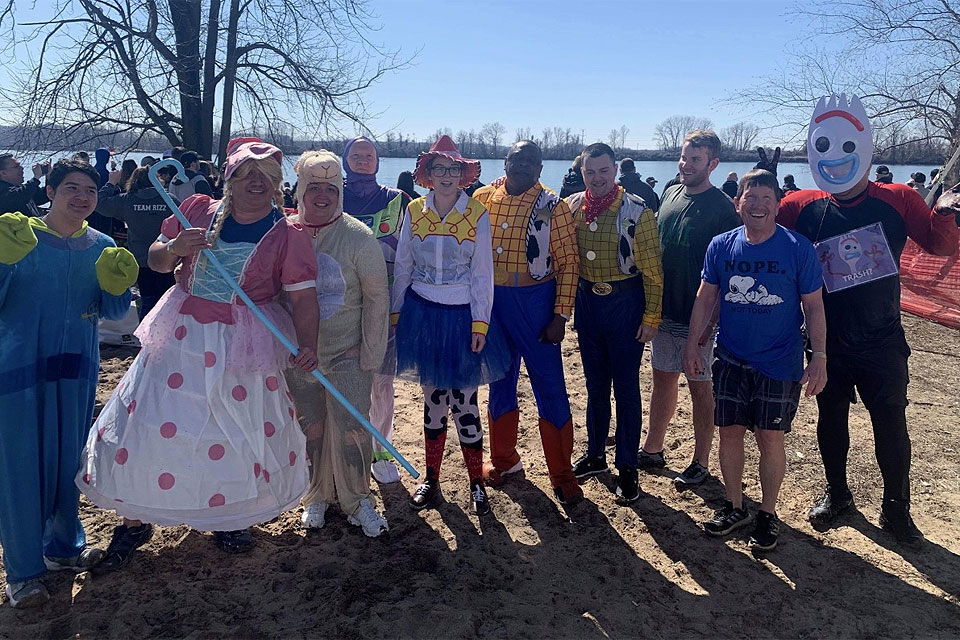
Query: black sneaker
{"points": [[726, 519], [627, 489], [87, 559], [240, 541], [589, 465], [647, 460], [426, 495], [478, 498], [896, 519], [692, 476], [764, 536], [124, 542], [832, 504]]}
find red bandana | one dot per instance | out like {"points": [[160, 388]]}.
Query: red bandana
{"points": [[593, 207]]}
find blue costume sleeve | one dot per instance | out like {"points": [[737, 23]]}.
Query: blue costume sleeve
{"points": [[114, 307], [6, 276]]}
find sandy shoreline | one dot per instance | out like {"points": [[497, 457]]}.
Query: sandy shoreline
{"points": [[534, 570]]}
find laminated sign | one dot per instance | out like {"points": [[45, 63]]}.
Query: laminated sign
{"points": [[855, 257]]}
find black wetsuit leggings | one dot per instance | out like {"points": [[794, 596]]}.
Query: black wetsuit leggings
{"points": [[880, 377]]}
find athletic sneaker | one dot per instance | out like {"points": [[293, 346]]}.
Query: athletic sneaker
{"points": [[385, 472], [897, 521], [692, 476], [478, 498], [588, 465], [83, 561], [367, 518], [646, 460], [765, 532], [314, 515], [726, 519], [832, 504], [627, 488], [26, 594], [426, 495], [125, 541]]}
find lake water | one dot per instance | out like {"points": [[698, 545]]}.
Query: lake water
{"points": [[553, 170]]}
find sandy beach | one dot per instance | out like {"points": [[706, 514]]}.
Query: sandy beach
{"points": [[535, 570]]}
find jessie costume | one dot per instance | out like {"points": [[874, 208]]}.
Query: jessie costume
{"points": [[443, 293], [535, 278]]}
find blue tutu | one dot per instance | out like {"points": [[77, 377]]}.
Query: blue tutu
{"points": [[433, 346]]}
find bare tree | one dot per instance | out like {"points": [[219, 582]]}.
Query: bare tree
{"points": [[901, 58], [137, 66], [670, 133], [740, 137], [493, 133]]}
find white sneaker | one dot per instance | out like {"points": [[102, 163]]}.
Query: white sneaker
{"points": [[366, 516], [314, 515], [29, 593], [385, 472]]}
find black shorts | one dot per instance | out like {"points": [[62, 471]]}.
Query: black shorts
{"points": [[748, 398]]}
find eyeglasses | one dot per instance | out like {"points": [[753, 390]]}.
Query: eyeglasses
{"points": [[438, 171]]}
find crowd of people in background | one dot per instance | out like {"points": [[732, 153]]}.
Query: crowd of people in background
{"points": [[216, 427]]}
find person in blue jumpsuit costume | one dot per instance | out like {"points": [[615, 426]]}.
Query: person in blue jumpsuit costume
{"points": [[57, 277]]}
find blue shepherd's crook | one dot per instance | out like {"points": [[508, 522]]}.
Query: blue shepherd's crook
{"points": [[266, 321]]}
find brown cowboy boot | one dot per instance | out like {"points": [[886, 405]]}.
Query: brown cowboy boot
{"points": [[558, 448], [504, 459]]}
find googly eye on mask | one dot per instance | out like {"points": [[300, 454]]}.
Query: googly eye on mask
{"points": [[839, 143]]}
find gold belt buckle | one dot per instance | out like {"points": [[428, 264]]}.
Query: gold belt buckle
{"points": [[602, 288]]}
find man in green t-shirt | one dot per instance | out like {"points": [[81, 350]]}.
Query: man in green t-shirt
{"points": [[691, 214]]}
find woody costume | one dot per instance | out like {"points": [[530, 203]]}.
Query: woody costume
{"points": [[535, 266], [620, 288]]}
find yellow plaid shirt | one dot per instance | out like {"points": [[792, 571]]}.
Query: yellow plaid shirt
{"points": [[598, 244], [509, 217]]}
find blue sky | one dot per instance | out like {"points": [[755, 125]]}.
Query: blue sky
{"points": [[591, 65]]}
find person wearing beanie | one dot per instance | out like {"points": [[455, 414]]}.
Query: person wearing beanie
{"points": [[918, 181], [631, 183], [352, 339], [200, 430], [381, 209], [442, 303]]}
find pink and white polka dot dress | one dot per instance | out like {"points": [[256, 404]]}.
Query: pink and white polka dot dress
{"points": [[201, 429]]}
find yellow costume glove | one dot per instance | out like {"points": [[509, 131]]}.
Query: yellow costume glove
{"points": [[17, 238], [117, 270]]}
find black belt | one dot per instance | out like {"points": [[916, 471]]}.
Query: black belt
{"points": [[606, 288]]}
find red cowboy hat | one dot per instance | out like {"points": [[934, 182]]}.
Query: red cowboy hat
{"points": [[448, 149]]}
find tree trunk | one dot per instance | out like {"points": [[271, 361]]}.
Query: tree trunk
{"points": [[229, 81], [185, 15], [209, 99]]}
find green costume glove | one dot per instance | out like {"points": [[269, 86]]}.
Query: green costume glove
{"points": [[117, 270], [17, 238]]}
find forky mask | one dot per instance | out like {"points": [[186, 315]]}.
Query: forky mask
{"points": [[839, 143]]}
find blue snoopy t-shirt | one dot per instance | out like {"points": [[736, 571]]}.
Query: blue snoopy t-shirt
{"points": [[760, 288]]}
